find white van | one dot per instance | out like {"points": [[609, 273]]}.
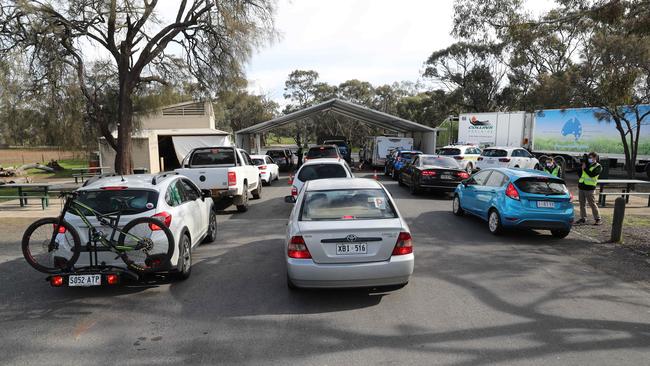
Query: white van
{"points": [[377, 147]]}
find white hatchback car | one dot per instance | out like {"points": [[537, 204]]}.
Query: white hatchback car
{"points": [[173, 198], [319, 169], [347, 233], [506, 157], [466, 155], [269, 170]]}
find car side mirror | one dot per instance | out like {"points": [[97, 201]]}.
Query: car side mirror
{"points": [[205, 193], [289, 199]]}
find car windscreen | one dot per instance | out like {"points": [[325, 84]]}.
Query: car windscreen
{"points": [[135, 201], [215, 156], [257, 161], [542, 185], [276, 154], [443, 162], [494, 153], [346, 204], [322, 152], [407, 155], [321, 171], [449, 151]]}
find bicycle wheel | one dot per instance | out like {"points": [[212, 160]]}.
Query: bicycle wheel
{"points": [[51, 248], [147, 245]]}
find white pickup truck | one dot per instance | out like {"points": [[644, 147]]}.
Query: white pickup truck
{"points": [[226, 171]]}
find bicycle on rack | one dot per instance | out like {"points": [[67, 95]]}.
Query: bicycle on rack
{"points": [[52, 245]]}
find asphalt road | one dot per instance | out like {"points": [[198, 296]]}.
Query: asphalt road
{"points": [[474, 299]]}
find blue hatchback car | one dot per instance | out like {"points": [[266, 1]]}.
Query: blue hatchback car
{"points": [[521, 198]]}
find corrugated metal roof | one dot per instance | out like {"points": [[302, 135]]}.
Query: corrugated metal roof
{"points": [[344, 108]]}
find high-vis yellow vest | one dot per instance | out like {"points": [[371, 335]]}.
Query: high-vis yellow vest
{"points": [[586, 179], [554, 172]]}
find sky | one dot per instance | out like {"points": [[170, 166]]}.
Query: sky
{"points": [[379, 41]]}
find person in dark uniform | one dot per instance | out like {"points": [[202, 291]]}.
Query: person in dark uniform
{"points": [[587, 183]]}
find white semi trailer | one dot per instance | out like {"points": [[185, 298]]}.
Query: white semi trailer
{"points": [[569, 133]]}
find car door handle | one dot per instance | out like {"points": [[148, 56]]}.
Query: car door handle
{"points": [[492, 190]]}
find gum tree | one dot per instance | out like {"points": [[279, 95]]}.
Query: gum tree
{"points": [[202, 42]]}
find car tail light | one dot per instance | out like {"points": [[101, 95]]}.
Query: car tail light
{"points": [[232, 179], [347, 217], [297, 248], [56, 281], [512, 192], [114, 188], [61, 229], [463, 175], [112, 279], [429, 173], [404, 244], [458, 157], [165, 217], [504, 160], [294, 191], [261, 167], [479, 158]]}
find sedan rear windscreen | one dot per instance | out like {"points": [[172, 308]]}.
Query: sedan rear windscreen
{"points": [[542, 186], [216, 156], [321, 171], [494, 153], [449, 151], [258, 161], [135, 201], [443, 162], [276, 154], [322, 152], [347, 204]]}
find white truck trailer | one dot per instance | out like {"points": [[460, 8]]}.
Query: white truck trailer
{"points": [[569, 133]]}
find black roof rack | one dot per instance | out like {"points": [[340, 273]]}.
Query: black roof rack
{"points": [[98, 177], [161, 176]]}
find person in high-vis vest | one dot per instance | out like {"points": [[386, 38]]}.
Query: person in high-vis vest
{"points": [[587, 186], [551, 167]]}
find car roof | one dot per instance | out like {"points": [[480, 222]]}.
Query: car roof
{"points": [[342, 183], [458, 146], [521, 173], [509, 148], [410, 151], [324, 145], [130, 181], [258, 156]]}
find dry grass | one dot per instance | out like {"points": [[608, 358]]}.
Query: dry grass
{"points": [[17, 157]]}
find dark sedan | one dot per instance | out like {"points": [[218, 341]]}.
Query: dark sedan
{"points": [[432, 172]]}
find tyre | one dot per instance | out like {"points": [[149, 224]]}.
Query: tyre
{"points": [[147, 244], [47, 255], [413, 188], [560, 234], [211, 236], [184, 266], [257, 193], [494, 222], [243, 207], [291, 285], [458, 211]]}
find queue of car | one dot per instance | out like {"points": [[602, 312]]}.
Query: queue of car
{"points": [[343, 231]]}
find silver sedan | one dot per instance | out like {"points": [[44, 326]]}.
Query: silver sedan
{"points": [[347, 232]]}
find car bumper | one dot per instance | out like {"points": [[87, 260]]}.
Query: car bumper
{"points": [[517, 217], [395, 271], [440, 185]]}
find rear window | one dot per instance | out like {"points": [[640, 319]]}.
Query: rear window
{"points": [[275, 154], [542, 186], [441, 162], [220, 156], [258, 161], [495, 153], [321, 171], [449, 151], [407, 156], [348, 204], [106, 201], [322, 152]]}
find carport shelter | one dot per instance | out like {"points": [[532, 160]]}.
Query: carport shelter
{"points": [[424, 137]]}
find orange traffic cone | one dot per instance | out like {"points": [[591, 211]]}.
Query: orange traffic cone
{"points": [[374, 176], [290, 179]]}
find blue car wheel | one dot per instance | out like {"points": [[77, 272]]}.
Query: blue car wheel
{"points": [[494, 222], [457, 209]]}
